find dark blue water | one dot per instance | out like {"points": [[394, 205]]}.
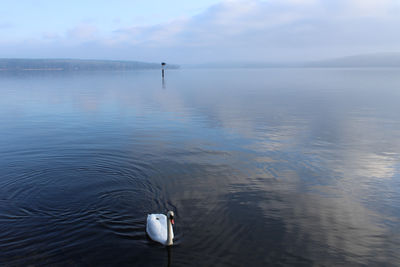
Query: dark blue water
{"points": [[278, 166]]}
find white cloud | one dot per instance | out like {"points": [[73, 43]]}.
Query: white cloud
{"points": [[374, 8], [251, 30], [83, 32]]}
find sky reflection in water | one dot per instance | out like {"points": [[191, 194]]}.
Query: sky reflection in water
{"points": [[283, 166]]}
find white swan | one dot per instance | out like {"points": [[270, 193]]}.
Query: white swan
{"points": [[159, 228]]}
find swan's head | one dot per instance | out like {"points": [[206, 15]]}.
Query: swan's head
{"points": [[171, 216]]}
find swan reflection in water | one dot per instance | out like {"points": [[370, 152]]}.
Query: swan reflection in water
{"points": [[169, 250]]}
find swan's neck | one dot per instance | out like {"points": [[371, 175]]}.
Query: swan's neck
{"points": [[169, 233]]}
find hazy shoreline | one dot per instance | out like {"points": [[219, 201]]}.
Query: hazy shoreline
{"points": [[17, 64], [382, 60]]}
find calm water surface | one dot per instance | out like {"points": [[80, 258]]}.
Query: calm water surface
{"points": [[277, 166]]}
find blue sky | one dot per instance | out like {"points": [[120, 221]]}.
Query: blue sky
{"points": [[29, 18], [198, 31]]}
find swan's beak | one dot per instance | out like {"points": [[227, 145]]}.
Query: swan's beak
{"points": [[172, 221]]}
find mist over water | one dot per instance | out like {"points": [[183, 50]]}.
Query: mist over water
{"points": [[269, 166]]}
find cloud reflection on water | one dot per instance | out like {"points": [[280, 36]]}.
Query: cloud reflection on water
{"points": [[308, 165]]}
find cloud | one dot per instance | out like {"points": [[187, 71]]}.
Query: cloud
{"points": [[251, 30], [256, 30], [150, 35], [5, 25], [83, 32], [50, 36], [374, 8]]}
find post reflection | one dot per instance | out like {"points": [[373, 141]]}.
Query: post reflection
{"points": [[163, 84]]}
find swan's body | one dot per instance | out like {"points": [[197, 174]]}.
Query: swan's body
{"points": [[159, 228]]}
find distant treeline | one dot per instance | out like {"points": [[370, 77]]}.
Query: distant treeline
{"points": [[76, 65]]}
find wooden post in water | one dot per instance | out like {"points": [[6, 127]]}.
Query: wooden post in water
{"points": [[163, 73], [162, 68]]}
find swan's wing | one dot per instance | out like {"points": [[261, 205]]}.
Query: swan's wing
{"points": [[157, 227]]}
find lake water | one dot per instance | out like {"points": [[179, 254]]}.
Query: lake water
{"points": [[275, 166]]}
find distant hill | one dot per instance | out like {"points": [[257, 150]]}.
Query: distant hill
{"points": [[239, 65], [383, 60], [386, 60], [12, 64]]}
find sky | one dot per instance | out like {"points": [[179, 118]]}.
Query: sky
{"points": [[190, 32]]}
